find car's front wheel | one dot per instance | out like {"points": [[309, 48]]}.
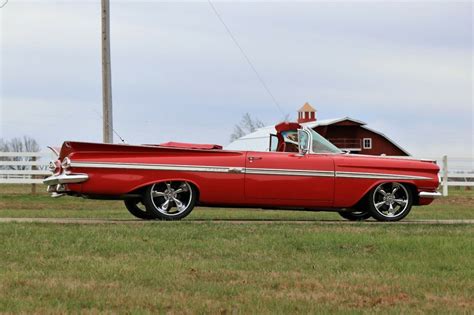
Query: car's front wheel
{"points": [[170, 200], [390, 201], [355, 215]]}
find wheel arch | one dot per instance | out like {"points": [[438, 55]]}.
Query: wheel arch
{"points": [[140, 188], [409, 184]]}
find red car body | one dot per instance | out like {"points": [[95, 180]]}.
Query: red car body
{"points": [[289, 180]]}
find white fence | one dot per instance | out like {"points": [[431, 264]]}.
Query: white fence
{"points": [[24, 168], [456, 172], [32, 167]]}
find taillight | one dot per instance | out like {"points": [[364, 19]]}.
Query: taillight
{"points": [[66, 163]]}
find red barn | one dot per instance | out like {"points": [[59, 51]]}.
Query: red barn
{"points": [[350, 134]]}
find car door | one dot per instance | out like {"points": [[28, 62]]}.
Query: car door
{"points": [[289, 177]]}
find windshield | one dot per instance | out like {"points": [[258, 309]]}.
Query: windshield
{"points": [[321, 145]]}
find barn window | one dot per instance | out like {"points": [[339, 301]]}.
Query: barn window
{"points": [[367, 142]]}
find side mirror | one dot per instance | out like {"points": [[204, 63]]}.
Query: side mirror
{"points": [[303, 142]]}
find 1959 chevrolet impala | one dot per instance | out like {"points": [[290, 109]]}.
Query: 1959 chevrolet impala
{"points": [[301, 171]]}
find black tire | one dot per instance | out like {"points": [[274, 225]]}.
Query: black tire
{"points": [[390, 201], [179, 198], [133, 207], [355, 216]]}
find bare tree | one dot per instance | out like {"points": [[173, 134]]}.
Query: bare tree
{"points": [[3, 145], [3, 148], [25, 144], [246, 125]]}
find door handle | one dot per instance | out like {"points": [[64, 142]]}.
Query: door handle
{"points": [[254, 158]]}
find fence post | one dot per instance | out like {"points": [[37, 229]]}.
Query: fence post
{"points": [[445, 175], [33, 167]]}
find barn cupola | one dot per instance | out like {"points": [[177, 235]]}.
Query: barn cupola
{"points": [[306, 113]]}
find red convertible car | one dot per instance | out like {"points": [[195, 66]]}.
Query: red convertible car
{"points": [[301, 171]]}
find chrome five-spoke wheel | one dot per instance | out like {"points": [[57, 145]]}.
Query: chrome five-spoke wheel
{"points": [[390, 201], [170, 200]]}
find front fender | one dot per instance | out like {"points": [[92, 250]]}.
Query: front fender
{"points": [[349, 191]]}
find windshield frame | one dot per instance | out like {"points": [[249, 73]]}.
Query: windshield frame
{"points": [[314, 136]]}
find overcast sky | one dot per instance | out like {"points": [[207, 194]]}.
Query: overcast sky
{"points": [[405, 68]]}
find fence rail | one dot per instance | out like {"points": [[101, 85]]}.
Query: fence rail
{"points": [[31, 168], [13, 180], [24, 168], [25, 172], [23, 154], [21, 163]]}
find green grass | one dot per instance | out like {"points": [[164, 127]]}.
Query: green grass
{"points": [[16, 201], [228, 268], [282, 268]]}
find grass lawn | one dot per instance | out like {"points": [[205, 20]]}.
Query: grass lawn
{"points": [[16, 201], [227, 268]]}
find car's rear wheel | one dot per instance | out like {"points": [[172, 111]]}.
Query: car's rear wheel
{"points": [[355, 215], [390, 201], [137, 209], [170, 200]]}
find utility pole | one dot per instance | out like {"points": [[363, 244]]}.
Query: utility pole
{"points": [[107, 118]]}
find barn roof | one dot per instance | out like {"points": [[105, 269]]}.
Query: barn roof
{"points": [[327, 122], [259, 140]]}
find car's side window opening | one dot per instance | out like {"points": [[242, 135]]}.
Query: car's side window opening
{"points": [[290, 141]]}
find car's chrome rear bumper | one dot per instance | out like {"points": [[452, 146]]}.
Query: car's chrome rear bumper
{"points": [[65, 179], [433, 195]]}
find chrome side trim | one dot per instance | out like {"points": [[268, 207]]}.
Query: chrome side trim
{"points": [[65, 179], [199, 168], [288, 172], [241, 170], [378, 176], [157, 167], [236, 170], [433, 195]]}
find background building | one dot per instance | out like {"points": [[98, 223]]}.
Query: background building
{"points": [[346, 133], [350, 134]]}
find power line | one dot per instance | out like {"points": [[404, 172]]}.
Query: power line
{"points": [[259, 77]]}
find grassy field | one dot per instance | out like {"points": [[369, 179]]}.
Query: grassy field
{"points": [[16, 201], [228, 268]]}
